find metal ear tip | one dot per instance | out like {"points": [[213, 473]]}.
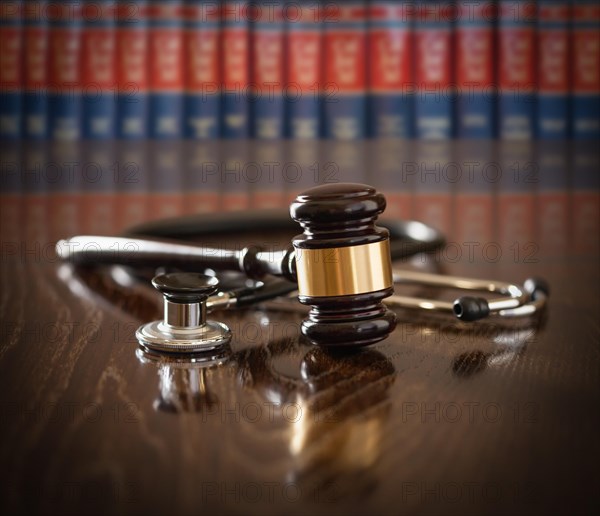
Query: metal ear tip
{"points": [[184, 328], [536, 287], [469, 308]]}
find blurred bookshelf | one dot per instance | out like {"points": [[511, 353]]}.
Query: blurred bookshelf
{"points": [[299, 69], [480, 118]]}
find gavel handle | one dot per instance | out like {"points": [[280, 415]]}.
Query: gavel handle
{"points": [[101, 250]]}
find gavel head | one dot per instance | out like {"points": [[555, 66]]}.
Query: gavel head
{"points": [[343, 265]]}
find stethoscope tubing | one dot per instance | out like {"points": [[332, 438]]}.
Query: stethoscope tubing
{"points": [[169, 242]]}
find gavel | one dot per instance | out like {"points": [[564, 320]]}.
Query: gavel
{"points": [[343, 264]]}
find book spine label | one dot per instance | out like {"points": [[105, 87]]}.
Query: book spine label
{"points": [[433, 69], [344, 89], [517, 70], [553, 69], [236, 69], [390, 68], [267, 79], [11, 71], [476, 89], [132, 69], [35, 72], [304, 70], [203, 75], [98, 69], [166, 68], [586, 72]]}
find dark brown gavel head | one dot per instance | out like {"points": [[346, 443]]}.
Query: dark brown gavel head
{"points": [[343, 265]]}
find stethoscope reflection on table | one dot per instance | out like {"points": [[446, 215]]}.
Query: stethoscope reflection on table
{"points": [[341, 266], [329, 408]]}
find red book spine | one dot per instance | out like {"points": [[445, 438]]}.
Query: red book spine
{"points": [[166, 65], [517, 69], [35, 72], [345, 79], [11, 69], [132, 70]]}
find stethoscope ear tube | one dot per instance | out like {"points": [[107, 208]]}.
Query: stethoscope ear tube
{"points": [[516, 301], [411, 237], [270, 289], [406, 237], [218, 225]]}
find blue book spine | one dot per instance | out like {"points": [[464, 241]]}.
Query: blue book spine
{"points": [[203, 75], [35, 70], [434, 103], [390, 69], [236, 69], [344, 90], [98, 69], [132, 69], [517, 70], [474, 72], [11, 70], [303, 70], [553, 69], [166, 65], [586, 72], [64, 70], [267, 73]]}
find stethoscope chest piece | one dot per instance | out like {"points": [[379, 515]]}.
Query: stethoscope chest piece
{"points": [[184, 328]]}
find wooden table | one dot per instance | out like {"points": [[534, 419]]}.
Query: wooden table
{"points": [[441, 418]]}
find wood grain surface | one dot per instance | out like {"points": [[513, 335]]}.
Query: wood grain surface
{"points": [[440, 418]]}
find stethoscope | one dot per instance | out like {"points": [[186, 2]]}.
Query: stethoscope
{"points": [[340, 265]]}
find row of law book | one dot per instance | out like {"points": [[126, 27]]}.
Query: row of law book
{"points": [[299, 69], [545, 194]]}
